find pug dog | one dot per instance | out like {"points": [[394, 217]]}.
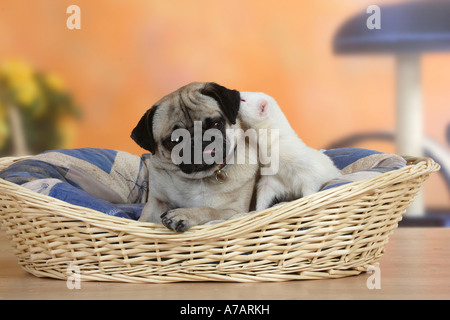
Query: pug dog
{"points": [[192, 176]]}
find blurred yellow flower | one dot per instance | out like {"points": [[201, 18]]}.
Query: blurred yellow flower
{"points": [[20, 79], [16, 72], [36, 101], [55, 82], [27, 92]]}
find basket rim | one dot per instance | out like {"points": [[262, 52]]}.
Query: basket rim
{"points": [[229, 228]]}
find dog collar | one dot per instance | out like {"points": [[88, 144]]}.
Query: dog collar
{"points": [[221, 175]]}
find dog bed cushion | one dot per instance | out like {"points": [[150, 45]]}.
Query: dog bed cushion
{"points": [[116, 182]]}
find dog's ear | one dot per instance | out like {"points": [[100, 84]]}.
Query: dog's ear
{"points": [[228, 100], [143, 132]]}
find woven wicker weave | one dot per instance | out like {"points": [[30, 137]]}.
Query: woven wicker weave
{"points": [[330, 234]]}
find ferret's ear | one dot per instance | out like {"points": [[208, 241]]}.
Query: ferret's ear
{"points": [[263, 107]]}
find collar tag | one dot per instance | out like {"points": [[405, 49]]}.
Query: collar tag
{"points": [[221, 176]]}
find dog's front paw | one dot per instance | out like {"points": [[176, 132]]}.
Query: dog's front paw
{"points": [[176, 220]]}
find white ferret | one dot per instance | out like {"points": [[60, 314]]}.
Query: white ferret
{"points": [[300, 171]]}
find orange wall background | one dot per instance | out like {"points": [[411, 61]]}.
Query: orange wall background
{"points": [[128, 54]]}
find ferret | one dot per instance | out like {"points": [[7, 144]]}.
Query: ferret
{"points": [[301, 170]]}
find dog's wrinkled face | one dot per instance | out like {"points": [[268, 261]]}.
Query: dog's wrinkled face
{"points": [[186, 130]]}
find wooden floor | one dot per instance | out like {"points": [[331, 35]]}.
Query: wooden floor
{"points": [[416, 265]]}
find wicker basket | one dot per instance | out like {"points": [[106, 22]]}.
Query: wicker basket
{"points": [[331, 234]]}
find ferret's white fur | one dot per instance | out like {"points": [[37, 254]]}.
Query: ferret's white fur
{"points": [[302, 170]]}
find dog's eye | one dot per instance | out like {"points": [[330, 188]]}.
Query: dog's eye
{"points": [[217, 125], [170, 143]]}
